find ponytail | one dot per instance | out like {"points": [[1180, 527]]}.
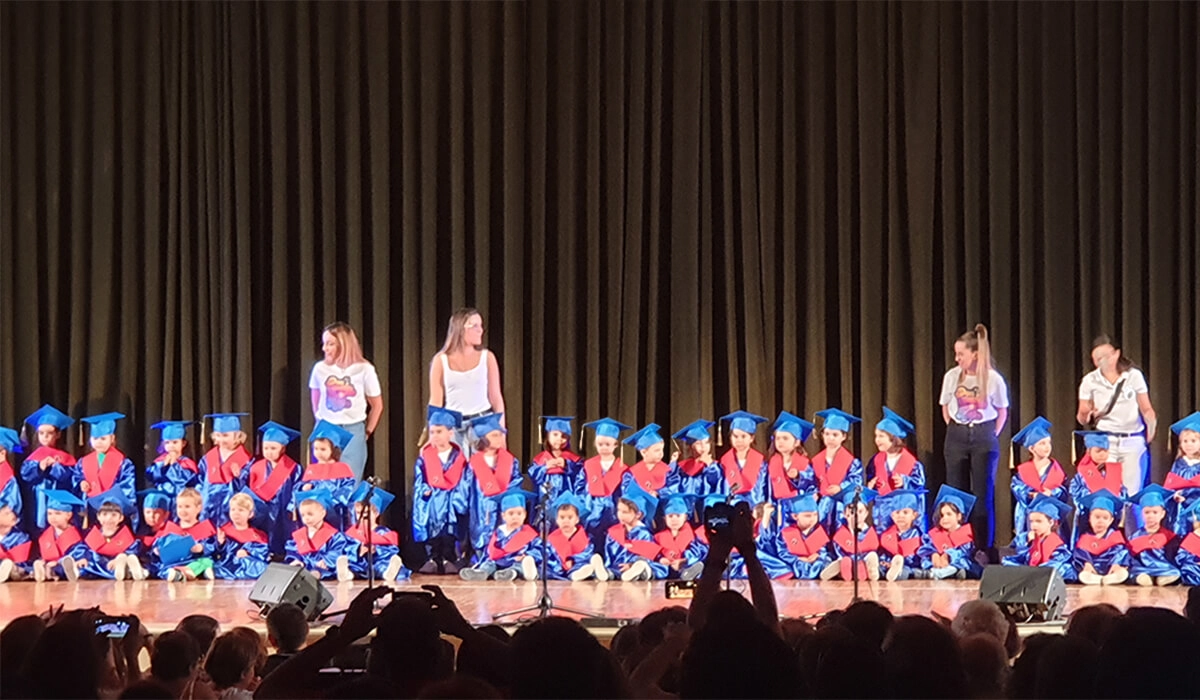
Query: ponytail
{"points": [[977, 341]]}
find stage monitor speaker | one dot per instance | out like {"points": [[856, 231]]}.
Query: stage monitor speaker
{"points": [[1025, 593], [283, 583]]}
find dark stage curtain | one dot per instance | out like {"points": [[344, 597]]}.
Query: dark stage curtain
{"points": [[664, 210]]}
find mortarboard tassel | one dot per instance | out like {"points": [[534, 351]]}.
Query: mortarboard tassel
{"points": [[203, 431], [423, 438]]}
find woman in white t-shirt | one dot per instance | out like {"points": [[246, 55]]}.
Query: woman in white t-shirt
{"points": [[345, 391], [465, 377], [1130, 422]]}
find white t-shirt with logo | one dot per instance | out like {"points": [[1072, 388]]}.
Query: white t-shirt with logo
{"points": [[960, 391], [344, 391], [1125, 416]]}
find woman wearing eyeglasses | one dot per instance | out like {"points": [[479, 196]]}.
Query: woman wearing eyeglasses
{"points": [[465, 377]]}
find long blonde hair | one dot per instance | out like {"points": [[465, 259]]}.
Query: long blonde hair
{"points": [[351, 353], [977, 342], [456, 329]]}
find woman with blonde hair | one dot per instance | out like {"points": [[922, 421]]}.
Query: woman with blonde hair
{"points": [[465, 377], [346, 392]]}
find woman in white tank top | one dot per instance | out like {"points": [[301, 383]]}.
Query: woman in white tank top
{"points": [[465, 377]]}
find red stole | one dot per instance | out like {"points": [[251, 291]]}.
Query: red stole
{"points": [[781, 485], [1191, 543], [1175, 482], [1099, 545], [1095, 481], [692, 467], [742, 480], [18, 554], [599, 483], [168, 528], [106, 546], [101, 478], [565, 548], [1055, 476], [516, 543], [832, 474], [894, 544], [650, 479], [805, 545], [843, 539], [1157, 540], [545, 456], [673, 546], [247, 536], [185, 463], [54, 547], [327, 471], [41, 453], [306, 545], [200, 531], [6, 475], [945, 540], [435, 475], [223, 472], [642, 548], [1042, 549], [386, 538], [493, 481], [265, 485], [883, 480]]}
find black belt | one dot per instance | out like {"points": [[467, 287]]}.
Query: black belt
{"points": [[1125, 435], [481, 414]]}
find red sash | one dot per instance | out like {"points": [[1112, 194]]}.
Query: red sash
{"points": [[222, 472], [566, 549], [1191, 543], [650, 479], [388, 538], [883, 479], [1095, 481], [327, 471], [781, 485], [168, 528], [266, 486], [742, 480], [6, 475], [101, 478], [41, 453], [843, 539], [185, 463], [310, 545], [493, 481], [545, 456], [805, 546], [642, 548], [673, 546], [1099, 545], [435, 475], [55, 547], [692, 467], [200, 531], [1175, 482], [945, 540], [247, 536], [1055, 476], [516, 543], [18, 554], [1156, 540], [599, 483], [894, 544], [832, 474], [1042, 549], [107, 547]]}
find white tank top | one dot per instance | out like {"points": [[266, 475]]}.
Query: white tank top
{"points": [[467, 392]]}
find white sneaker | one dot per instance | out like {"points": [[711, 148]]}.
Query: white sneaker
{"points": [[70, 569], [636, 571], [175, 575], [393, 568], [39, 571], [209, 574], [1114, 578], [1167, 580], [895, 568], [343, 569], [598, 568], [1090, 579], [831, 570], [136, 571], [583, 573], [872, 567], [529, 569], [1144, 580], [6, 569], [119, 567]]}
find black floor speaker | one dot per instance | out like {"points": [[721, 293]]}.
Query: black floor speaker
{"points": [[283, 583], [1025, 593]]}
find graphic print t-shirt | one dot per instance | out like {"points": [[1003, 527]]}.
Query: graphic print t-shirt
{"points": [[960, 392], [344, 391]]}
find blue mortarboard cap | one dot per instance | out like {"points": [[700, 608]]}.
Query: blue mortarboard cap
{"points": [[713, 499], [1153, 495], [1093, 439], [837, 419], [226, 422], [1034, 432], [958, 498], [801, 503], [1191, 422], [103, 423], [379, 498], [437, 415], [679, 504], [695, 431], [846, 496], [644, 500], [10, 439], [899, 499], [645, 437], [154, 498], [1050, 507], [49, 415], [486, 424], [173, 549], [113, 495], [791, 423], [172, 429], [560, 423], [1102, 500], [744, 421], [607, 427], [895, 424], [566, 498], [514, 498], [336, 434], [275, 432], [321, 495], [64, 501]]}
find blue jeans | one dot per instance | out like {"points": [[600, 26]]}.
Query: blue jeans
{"points": [[355, 454], [466, 438]]}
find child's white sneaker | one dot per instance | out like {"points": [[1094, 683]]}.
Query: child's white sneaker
{"points": [[529, 569], [6, 569], [343, 569], [872, 566], [175, 575], [636, 571], [895, 568], [599, 568], [70, 569], [119, 567], [1144, 580], [1167, 580], [1089, 578], [393, 569], [583, 573], [136, 571], [1114, 578], [39, 571], [509, 574]]}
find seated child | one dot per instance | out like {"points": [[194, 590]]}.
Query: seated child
{"points": [[1101, 555], [698, 473], [47, 467], [836, 468], [110, 543], [1187, 558], [803, 544], [513, 548], [156, 523], [106, 470], [242, 551], [658, 478], [318, 546], [1041, 475], [766, 531], [15, 546], [172, 471], [901, 538], [1153, 545], [10, 487], [601, 480], [327, 471], [1042, 545], [383, 557], [570, 555], [788, 468], [222, 467], [271, 481], [1184, 477], [682, 554], [630, 552], [555, 470], [948, 549], [189, 505], [441, 496], [857, 520], [60, 546]]}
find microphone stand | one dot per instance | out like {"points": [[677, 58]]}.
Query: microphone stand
{"points": [[854, 598], [365, 503]]}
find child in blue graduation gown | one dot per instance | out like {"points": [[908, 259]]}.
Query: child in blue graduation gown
{"points": [[804, 544], [110, 543], [901, 537], [1152, 547], [222, 467], [681, 553], [157, 510], [856, 520], [948, 549], [271, 480], [1101, 555], [836, 468], [60, 546], [1042, 544], [441, 495], [172, 471], [383, 554], [1095, 473], [242, 550], [788, 468], [894, 466], [766, 530], [46, 468], [569, 551], [105, 468], [555, 470], [1042, 475], [601, 480], [327, 471], [1184, 477], [1187, 557], [657, 477], [15, 546], [10, 486], [698, 473], [513, 548], [198, 561], [743, 467], [493, 470], [630, 552], [318, 546]]}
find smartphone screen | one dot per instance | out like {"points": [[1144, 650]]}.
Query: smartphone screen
{"points": [[112, 627]]}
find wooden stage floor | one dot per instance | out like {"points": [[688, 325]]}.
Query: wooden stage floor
{"points": [[161, 605]]}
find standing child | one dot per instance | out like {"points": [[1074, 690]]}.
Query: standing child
{"points": [[110, 543], [571, 556], [47, 467], [10, 487], [383, 554], [1187, 558], [682, 554], [326, 469], [1101, 555], [15, 546], [803, 544], [60, 546], [602, 476], [658, 478], [856, 519], [1042, 544], [1184, 477], [630, 551], [493, 471], [1152, 546], [1095, 473], [242, 550], [221, 467], [744, 467], [901, 537], [895, 466], [270, 482], [318, 546], [698, 473], [789, 470], [555, 470], [172, 471], [836, 468], [1040, 476], [441, 500], [105, 469], [948, 549], [512, 550], [197, 560]]}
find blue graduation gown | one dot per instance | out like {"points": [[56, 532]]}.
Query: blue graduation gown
{"points": [[745, 482], [203, 532], [765, 537], [958, 546], [794, 545], [339, 479], [101, 550], [1188, 559], [600, 490], [661, 481], [893, 542], [626, 546], [1152, 554], [173, 478], [441, 496], [17, 547], [323, 547], [1102, 553], [57, 476], [845, 472], [220, 479], [504, 547], [558, 481], [116, 472], [697, 478], [484, 482], [272, 486], [783, 486], [566, 554], [1184, 479], [1027, 484], [1048, 551], [680, 546], [386, 544], [10, 490], [226, 562]]}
